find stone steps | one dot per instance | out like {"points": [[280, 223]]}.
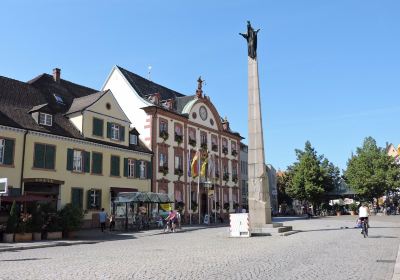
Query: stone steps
{"points": [[273, 230]]}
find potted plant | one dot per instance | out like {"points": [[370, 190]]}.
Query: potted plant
{"points": [[37, 223], [204, 146], [192, 142], [225, 150], [214, 147], [179, 206], [236, 206], [71, 218], [24, 228], [353, 208], [178, 138], [163, 169], [226, 177], [12, 222], [194, 206], [164, 135], [338, 209], [226, 207], [234, 153], [235, 178], [178, 171], [52, 227]]}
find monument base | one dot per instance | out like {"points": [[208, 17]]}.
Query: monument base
{"points": [[273, 229]]}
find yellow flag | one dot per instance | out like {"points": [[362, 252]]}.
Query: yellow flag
{"points": [[203, 171]]}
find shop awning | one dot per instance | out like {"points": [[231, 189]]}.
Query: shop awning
{"points": [[146, 197], [26, 198]]}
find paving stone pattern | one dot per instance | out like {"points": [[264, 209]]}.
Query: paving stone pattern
{"points": [[325, 249]]}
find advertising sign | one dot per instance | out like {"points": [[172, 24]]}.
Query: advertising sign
{"points": [[3, 185]]}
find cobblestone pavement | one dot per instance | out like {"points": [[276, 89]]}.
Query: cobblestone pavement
{"points": [[325, 249]]}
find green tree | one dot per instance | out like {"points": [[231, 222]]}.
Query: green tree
{"points": [[311, 176], [371, 172], [283, 180]]}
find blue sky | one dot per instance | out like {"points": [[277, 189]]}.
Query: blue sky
{"points": [[329, 70]]}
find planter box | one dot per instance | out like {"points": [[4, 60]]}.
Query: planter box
{"points": [[8, 237], [37, 236], [23, 237], [338, 213], [54, 235]]}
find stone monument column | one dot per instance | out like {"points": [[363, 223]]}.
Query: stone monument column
{"points": [[259, 199]]}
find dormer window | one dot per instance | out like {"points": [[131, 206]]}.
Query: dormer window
{"points": [[133, 139], [115, 132], [59, 99], [45, 119]]}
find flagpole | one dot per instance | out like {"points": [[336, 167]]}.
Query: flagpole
{"points": [[198, 185], [190, 189]]}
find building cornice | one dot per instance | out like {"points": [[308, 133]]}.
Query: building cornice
{"points": [[74, 140]]}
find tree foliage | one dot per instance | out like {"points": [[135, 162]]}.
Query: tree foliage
{"points": [[311, 175], [371, 172]]}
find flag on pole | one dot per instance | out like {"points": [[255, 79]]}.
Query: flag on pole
{"points": [[211, 166], [188, 165], [204, 167], [195, 165]]}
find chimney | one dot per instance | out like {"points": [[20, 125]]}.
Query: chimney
{"points": [[56, 74]]}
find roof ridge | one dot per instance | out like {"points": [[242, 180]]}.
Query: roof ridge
{"points": [[151, 82]]}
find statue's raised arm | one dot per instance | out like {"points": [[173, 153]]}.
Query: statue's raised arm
{"points": [[251, 38]]}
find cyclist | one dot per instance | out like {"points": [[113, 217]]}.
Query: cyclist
{"points": [[172, 220], [363, 213]]}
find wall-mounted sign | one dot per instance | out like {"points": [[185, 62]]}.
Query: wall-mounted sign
{"points": [[3, 185]]}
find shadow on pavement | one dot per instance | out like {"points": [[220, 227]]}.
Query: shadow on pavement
{"points": [[27, 259]]}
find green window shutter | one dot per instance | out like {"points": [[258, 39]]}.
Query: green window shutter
{"points": [[121, 133], [137, 168], [86, 161], [39, 156], [114, 166], [70, 159], [97, 167], [98, 125], [77, 197], [8, 151], [98, 199], [126, 168], [108, 130], [50, 155], [117, 166], [149, 174]]}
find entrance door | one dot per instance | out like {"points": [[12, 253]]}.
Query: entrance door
{"points": [[204, 204]]}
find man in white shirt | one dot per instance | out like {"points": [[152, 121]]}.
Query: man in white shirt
{"points": [[363, 213]]}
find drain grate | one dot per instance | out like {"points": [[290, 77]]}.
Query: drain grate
{"points": [[386, 261]]}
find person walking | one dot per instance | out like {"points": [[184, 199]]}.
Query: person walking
{"points": [[102, 219], [112, 222]]}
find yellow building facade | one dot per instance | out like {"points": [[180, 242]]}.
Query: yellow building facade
{"points": [[74, 145]]}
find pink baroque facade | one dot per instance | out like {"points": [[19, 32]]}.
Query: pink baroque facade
{"points": [[175, 126]]}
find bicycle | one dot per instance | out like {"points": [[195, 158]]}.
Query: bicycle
{"points": [[364, 227]]}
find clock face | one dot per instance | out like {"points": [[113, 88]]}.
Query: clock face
{"points": [[203, 113]]}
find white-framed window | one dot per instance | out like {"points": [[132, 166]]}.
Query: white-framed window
{"points": [[163, 126], [143, 170], [114, 131], [2, 148], [78, 161], [131, 167], [94, 199], [45, 119], [133, 139], [178, 162], [163, 159]]}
